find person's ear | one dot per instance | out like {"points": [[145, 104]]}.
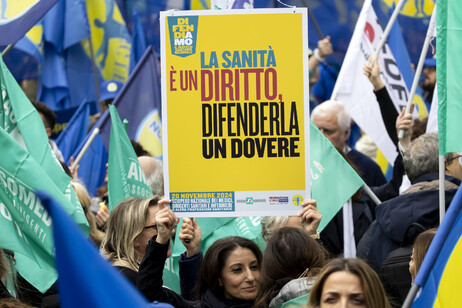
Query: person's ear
{"points": [[220, 283], [48, 131]]}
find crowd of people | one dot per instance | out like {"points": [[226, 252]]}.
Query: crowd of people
{"points": [[299, 266]]}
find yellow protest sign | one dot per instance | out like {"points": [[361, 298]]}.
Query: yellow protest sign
{"points": [[235, 101]]}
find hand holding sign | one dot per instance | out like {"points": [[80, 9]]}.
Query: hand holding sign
{"points": [[166, 222], [310, 217], [191, 236]]}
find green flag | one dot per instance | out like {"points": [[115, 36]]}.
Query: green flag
{"points": [[333, 181], [25, 225], [125, 177], [448, 69], [22, 124]]}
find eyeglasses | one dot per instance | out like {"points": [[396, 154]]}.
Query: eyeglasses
{"points": [[455, 157], [151, 226]]}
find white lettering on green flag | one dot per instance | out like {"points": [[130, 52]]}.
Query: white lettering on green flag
{"points": [[448, 74], [27, 165], [125, 177], [25, 225]]}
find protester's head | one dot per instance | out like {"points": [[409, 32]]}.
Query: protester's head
{"points": [[139, 150], [5, 268], [349, 281], [270, 224], [13, 303], [153, 171], [453, 166], [85, 200], [419, 127], [333, 121], [108, 92], [429, 75], [422, 156], [231, 269], [131, 224], [290, 253], [48, 116], [421, 245]]}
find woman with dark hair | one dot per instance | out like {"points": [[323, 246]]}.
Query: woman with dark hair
{"points": [[348, 283], [291, 261], [228, 277]]}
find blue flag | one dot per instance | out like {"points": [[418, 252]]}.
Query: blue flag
{"points": [[75, 131], [65, 25], [139, 102], [138, 40], [85, 278], [440, 271], [92, 167], [18, 17]]}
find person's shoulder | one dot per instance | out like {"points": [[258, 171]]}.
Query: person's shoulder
{"points": [[360, 158], [128, 273]]}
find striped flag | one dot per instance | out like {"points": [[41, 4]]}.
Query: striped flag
{"points": [[439, 274]]}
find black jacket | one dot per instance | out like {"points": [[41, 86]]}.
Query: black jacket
{"points": [[149, 282], [395, 215]]}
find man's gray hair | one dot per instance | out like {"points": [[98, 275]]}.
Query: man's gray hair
{"points": [[331, 106], [153, 170], [422, 156]]}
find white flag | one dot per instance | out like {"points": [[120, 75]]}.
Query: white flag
{"points": [[355, 91]]}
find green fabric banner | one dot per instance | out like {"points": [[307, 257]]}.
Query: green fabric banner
{"points": [[333, 181], [28, 164], [25, 225], [449, 65], [125, 177]]}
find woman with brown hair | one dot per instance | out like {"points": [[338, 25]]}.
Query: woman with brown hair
{"points": [[291, 261], [348, 283], [421, 245]]}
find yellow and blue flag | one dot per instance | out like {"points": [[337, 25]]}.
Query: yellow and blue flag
{"points": [[439, 274], [110, 39], [18, 17]]}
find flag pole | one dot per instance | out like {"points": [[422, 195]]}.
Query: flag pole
{"points": [[7, 49], [371, 194], [410, 296], [85, 147], [313, 19], [387, 30], [423, 55], [442, 196]]}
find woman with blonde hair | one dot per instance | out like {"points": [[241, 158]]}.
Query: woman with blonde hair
{"points": [[84, 198], [348, 283], [131, 224]]}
